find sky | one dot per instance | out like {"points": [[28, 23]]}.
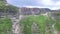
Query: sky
{"points": [[51, 4]]}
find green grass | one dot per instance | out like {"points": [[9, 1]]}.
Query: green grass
{"points": [[42, 22], [57, 26], [5, 25]]}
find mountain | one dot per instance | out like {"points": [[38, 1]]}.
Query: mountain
{"points": [[33, 10]]}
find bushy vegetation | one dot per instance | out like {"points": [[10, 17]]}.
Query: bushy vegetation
{"points": [[5, 23], [7, 7], [1, 0], [42, 22], [5, 26], [2, 6], [57, 18], [13, 9]]}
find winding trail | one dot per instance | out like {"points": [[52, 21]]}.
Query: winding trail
{"points": [[15, 25], [15, 22]]}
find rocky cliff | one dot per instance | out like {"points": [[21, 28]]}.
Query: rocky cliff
{"points": [[35, 11]]}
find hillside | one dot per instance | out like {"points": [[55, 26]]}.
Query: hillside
{"points": [[28, 20], [7, 8]]}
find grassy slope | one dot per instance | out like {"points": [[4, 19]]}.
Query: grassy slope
{"points": [[5, 25], [42, 22]]}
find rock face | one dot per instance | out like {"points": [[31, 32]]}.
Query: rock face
{"points": [[35, 11]]}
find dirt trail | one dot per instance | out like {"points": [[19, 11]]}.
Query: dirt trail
{"points": [[15, 22]]}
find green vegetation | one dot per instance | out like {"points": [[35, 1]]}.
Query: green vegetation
{"points": [[2, 6], [8, 8], [13, 9], [42, 22], [49, 22], [57, 26], [1, 0], [5, 23], [5, 26], [57, 18]]}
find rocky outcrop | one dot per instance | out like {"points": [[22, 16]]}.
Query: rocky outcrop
{"points": [[35, 11]]}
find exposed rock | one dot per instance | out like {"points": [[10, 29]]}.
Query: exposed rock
{"points": [[35, 11]]}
